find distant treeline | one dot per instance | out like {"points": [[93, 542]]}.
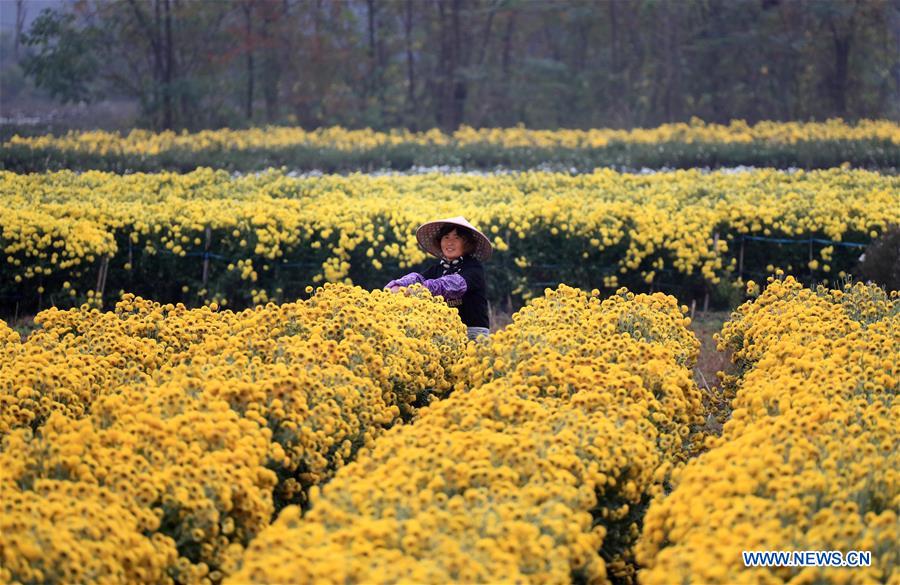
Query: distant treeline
{"points": [[483, 63]]}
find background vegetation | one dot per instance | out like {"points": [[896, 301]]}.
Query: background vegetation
{"points": [[484, 63]]}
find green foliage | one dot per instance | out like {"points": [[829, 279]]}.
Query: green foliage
{"points": [[64, 62], [482, 63]]}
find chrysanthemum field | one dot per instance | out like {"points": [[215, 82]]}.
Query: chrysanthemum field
{"points": [[216, 389]]}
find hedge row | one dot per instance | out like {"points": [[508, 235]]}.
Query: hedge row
{"points": [[808, 460], [536, 469], [207, 237], [871, 144], [152, 443], [869, 154]]}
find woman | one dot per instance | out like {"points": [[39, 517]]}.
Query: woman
{"points": [[458, 276]]}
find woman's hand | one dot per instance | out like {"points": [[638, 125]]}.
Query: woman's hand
{"points": [[400, 289]]}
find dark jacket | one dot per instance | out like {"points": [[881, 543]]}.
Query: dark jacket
{"points": [[473, 307]]}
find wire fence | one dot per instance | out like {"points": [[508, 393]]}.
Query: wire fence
{"points": [[804, 241]]}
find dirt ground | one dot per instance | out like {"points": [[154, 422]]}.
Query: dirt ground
{"points": [[705, 325], [23, 325]]}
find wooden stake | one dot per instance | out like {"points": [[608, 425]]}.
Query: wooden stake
{"points": [[741, 260], [105, 273], [101, 278], [131, 264], [715, 253], [206, 256]]}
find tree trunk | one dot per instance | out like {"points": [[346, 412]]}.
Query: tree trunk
{"points": [[168, 117], [483, 103], [893, 96], [184, 106], [632, 66], [672, 93], [412, 106], [460, 88], [159, 66], [154, 36], [377, 56], [506, 116], [368, 88], [506, 60], [787, 71], [248, 15], [842, 43], [614, 37], [445, 69], [20, 25], [486, 37], [271, 65], [616, 92]]}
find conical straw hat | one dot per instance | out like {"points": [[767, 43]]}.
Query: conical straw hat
{"points": [[427, 232]]}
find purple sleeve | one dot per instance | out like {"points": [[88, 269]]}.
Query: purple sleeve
{"points": [[408, 280], [451, 287]]}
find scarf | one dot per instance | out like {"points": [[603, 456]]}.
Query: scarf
{"points": [[451, 266]]}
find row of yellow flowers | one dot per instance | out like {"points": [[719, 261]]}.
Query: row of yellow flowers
{"points": [[809, 459], [146, 143], [270, 232], [152, 443], [535, 469]]}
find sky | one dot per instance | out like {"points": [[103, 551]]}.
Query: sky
{"points": [[32, 9]]}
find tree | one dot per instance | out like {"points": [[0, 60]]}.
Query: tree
{"points": [[427, 63], [21, 13], [63, 62]]}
